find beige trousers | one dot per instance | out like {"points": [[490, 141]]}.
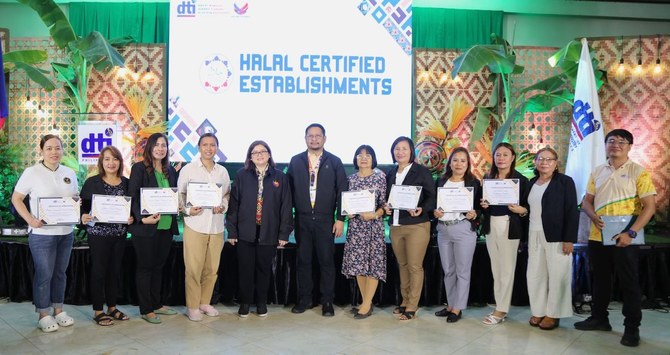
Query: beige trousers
{"points": [[409, 246], [502, 252], [202, 253], [549, 276]]}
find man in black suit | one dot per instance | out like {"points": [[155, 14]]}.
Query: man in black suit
{"points": [[317, 180]]}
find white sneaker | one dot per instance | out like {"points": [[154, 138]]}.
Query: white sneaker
{"points": [[64, 320], [194, 315], [209, 310], [48, 324]]}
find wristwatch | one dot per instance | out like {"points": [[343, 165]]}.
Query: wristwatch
{"points": [[631, 233]]}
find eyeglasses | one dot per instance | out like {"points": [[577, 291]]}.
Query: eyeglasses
{"points": [[255, 154], [364, 156], [314, 136], [542, 160], [616, 142]]}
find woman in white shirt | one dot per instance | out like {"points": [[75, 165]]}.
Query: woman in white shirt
{"points": [[50, 246], [203, 229]]}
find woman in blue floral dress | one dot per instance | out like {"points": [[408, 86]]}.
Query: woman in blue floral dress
{"points": [[365, 248]]}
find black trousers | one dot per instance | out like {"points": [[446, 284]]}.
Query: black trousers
{"points": [[606, 261], [314, 237], [106, 257], [254, 264], [151, 253]]}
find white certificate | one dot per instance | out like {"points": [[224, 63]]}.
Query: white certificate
{"points": [[204, 194], [501, 192], [110, 209], [357, 202], [58, 211], [455, 199], [404, 197], [159, 200], [618, 224]]}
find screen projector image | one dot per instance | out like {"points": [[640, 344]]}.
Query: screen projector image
{"points": [[264, 70]]}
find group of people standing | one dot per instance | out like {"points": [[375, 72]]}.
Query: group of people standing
{"points": [[258, 216]]}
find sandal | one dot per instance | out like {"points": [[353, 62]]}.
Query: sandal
{"points": [[442, 313], [399, 310], [549, 323], [48, 324], [103, 319], [407, 315], [535, 321], [493, 320], [152, 320], [64, 320], [453, 317], [118, 315]]}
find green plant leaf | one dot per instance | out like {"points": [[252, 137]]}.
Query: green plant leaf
{"points": [[549, 84], [98, 51], [545, 102], [28, 56], [479, 56], [122, 41], [482, 123], [36, 75], [53, 17], [63, 72]]}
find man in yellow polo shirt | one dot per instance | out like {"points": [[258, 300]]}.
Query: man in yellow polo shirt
{"points": [[618, 188]]}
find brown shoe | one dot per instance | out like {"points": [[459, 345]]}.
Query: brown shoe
{"points": [[549, 323], [535, 321]]}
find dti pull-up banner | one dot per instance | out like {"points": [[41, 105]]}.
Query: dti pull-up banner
{"points": [[250, 70]]}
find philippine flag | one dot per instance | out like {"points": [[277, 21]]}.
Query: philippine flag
{"points": [[587, 140], [4, 107]]}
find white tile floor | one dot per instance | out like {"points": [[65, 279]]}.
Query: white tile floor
{"points": [[310, 333]]}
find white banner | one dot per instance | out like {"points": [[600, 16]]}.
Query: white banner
{"points": [[92, 137]]}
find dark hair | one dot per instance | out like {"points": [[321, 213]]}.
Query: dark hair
{"points": [[248, 164], [409, 141], [368, 149], [493, 174], [550, 150], [620, 132], [114, 151], [317, 125], [208, 134], [46, 137], [468, 172], [148, 157]]}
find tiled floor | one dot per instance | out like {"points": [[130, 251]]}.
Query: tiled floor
{"points": [[310, 333]]}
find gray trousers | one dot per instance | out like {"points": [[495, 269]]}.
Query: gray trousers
{"points": [[457, 247]]}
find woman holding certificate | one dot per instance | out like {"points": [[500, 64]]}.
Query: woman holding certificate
{"points": [[204, 189], [552, 230], [106, 240], [152, 231], [410, 193], [457, 215], [50, 243], [503, 226], [365, 248], [259, 218]]}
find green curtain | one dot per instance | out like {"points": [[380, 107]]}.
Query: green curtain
{"points": [[146, 22], [435, 28]]}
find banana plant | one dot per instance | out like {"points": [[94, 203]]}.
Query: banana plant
{"points": [[500, 59], [83, 55]]}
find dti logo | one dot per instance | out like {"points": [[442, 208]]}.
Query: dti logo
{"points": [[583, 120], [241, 10], [95, 142], [186, 9]]}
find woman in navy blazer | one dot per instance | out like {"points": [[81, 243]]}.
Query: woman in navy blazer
{"points": [[152, 234], [552, 230], [410, 230]]}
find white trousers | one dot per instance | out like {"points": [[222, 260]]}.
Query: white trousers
{"points": [[549, 276], [502, 252]]}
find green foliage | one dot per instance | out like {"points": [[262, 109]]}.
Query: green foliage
{"points": [[10, 165]]}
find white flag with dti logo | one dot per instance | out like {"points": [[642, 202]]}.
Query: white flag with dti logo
{"points": [[587, 141]]}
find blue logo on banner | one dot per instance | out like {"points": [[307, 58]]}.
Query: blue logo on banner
{"points": [[186, 9], [95, 142], [583, 120]]}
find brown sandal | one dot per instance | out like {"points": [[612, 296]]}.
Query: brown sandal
{"points": [[549, 323], [535, 321]]}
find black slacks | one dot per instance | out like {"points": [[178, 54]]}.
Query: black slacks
{"points": [[254, 263], [315, 237], [106, 257], [151, 253]]}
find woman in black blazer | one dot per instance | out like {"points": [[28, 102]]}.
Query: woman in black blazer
{"points": [[152, 235], [554, 220], [259, 219], [410, 230], [107, 241]]}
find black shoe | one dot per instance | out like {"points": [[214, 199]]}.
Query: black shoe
{"points": [[453, 318], [300, 308], [442, 313], [353, 310], [631, 337], [243, 312], [262, 310], [363, 315], [327, 309], [594, 324]]}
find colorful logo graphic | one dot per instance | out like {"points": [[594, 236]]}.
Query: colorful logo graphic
{"points": [[215, 74], [186, 8], [241, 10]]}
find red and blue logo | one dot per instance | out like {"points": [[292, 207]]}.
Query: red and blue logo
{"points": [[241, 10]]}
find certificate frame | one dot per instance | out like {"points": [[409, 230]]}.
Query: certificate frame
{"points": [[199, 194], [105, 208], [465, 197], [404, 197], [618, 224], [501, 192], [58, 211], [357, 202], [163, 200]]}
